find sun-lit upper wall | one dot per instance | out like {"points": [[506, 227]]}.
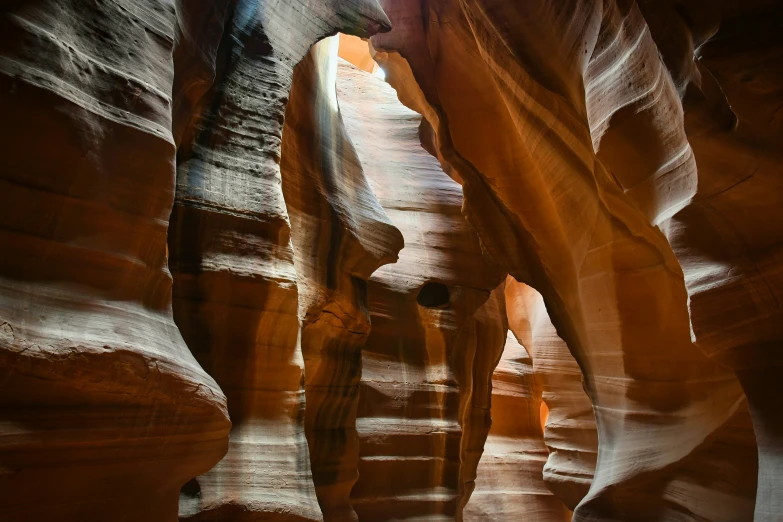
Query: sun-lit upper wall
{"points": [[357, 51]]}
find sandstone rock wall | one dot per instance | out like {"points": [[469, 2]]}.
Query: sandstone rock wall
{"points": [[509, 483], [96, 376], [570, 432], [356, 51], [105, 413], [340, 236], [246, 303], [727, 60], [202, 212], [437, 326], [510, 91]]}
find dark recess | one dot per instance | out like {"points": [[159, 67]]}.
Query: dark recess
{"points": [[433, 295]]}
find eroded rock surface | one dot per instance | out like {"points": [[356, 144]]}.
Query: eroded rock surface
{"points": [[237, 284], [509, 483], [437, 326], [518, 96], [620, 160], [340, 236], [570, 432], [726, 239], [104, 411]]}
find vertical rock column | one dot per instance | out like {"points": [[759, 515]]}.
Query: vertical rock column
{"points": [[340, 236], [509, 483], [570, 432], [236, 298], [104, 412], [437, 332]]}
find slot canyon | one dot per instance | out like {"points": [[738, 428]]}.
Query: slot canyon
{"points": [[391, 260]]}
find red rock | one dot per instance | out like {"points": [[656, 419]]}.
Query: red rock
{"points": [[244, 285], [509, 484], [620, 161], [105, 412], [570, 432], [514, 117], [437, 331], [341, 235]]}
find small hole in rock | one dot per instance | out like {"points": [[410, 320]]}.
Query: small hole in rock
{"points": [[191, 489], [433, 295], [190, 498]]}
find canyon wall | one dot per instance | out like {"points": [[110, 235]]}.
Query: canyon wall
{"points": [[537, 273], [340, 235], [438, 324], [520, 97], [728, 238], [509, 484], [96, 377], [270, 258], [105, 413], [570, 432]]}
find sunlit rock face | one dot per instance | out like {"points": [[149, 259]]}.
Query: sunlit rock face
{"points": [[537, 273], [340, 236], [728, 240], [525, 100], [570, 432], [268, 301], [104, 412], [509, 483], [356, 51], [438, 328]]}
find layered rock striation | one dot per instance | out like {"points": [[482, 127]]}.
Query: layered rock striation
{"points": [[520, 98], [725, 60], [340, 236], [96, 376], [104, 411], [509, 483], [438, 325], [202, 217], [246, 295], [570, 431]]}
